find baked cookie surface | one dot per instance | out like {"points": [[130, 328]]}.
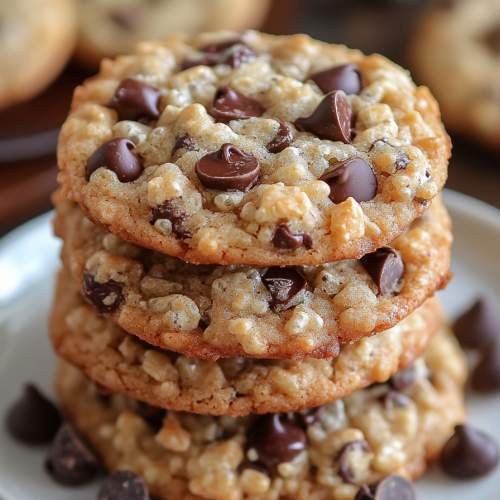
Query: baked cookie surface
{"points": [[212, 311], [256, 150], [337, 448], [121, 363]]}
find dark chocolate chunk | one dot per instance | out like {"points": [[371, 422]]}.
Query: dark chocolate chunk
{"points": [[168, 210], [151, 414], [284, 239], [347, 77], [344, 470], [492, 39], [486, 375], [232, 52], [70, 461], [284, 283], [275, 439], [123, 485], [385, 266], [229, 104], [469, 454], [116, 155], [258, 466], [403, 379], [353, 178], [228, 168], [390, 488], [394, 399], [33, 419], [184, 141], [282, 140], [332, 119], [105, 297], [136, 101], [479, 325]]}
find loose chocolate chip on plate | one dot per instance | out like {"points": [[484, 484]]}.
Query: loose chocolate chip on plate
{"points": [[136, 101], [151, 414], [116, 155], [404, 378], [70, 461], [385, 266], [284, 239], [332, 119], [353, 178], [33, 419], [275, 439], [184, 141], [469, 454], [394, 399], [228, 168], [284, 283], [123, 485], [347, 77], [390, 488], [257, 466], [479, 325], [105, 297], [344, 469], [486, 375], [282, 140], [229, 104], [169, 211]]}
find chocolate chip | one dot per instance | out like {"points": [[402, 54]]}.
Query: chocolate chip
{"points": [[33, 419], [215, 48], [390, 488], [229, 104], [105, 297], [344, 470], [469, 454], [123, 485], [385, 266], [116, 155], [228, 168], [70, 461], [151, 414], [404, 378], [284, 239], [232, 52], [394, 399], [236, 55], [347, 77], [134, 100], [170, 211], [284, 283], [257, 466], [275, 439], [402, 162], [479, 325], [282, 140], [353, 178], [184, 141], [486, 375], [332, 119], [306, 417]]}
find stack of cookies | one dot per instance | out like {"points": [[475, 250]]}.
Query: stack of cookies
{"points": [[253, 235]]}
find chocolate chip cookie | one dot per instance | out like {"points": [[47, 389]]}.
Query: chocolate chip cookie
{"points": [[331, 451], [121, 363], [212, 311], [253, 149]]}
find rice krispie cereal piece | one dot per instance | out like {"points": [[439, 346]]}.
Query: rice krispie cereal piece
{"points": [[212, 311], [119, 362], [326, 453], [253, 149]]}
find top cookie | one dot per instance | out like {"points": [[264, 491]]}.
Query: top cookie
{"points": [[256, 150]]}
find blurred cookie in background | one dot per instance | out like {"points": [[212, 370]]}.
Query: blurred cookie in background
{"points": [[112, 27], [37, 38], [456, 53]]}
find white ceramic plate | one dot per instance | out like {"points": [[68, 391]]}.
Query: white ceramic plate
{"points": [[28, 262]]}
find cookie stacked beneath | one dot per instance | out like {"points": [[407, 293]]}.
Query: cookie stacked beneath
{"points": [[252, 231]]}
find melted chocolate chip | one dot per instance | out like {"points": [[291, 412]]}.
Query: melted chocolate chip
{"points": [[116, 155], [332, 119], [284, 283], [123, 485], [344, 470], [169, 211], [228, 168], [347, 77], [70, 461], [257, 466], [306, 417], [385, 266], [403, 379], [136, 101], [237, 55], [151, 414], [276, 440], [284, 239], [232, 52], [394, 399], [215, 48], [105, 297], [469, 454], [33, 419], [390, 488], [282, 140], [351, 178], [229, 104], [184, 141], [479, 325], [486, 375], [402, 162]]}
